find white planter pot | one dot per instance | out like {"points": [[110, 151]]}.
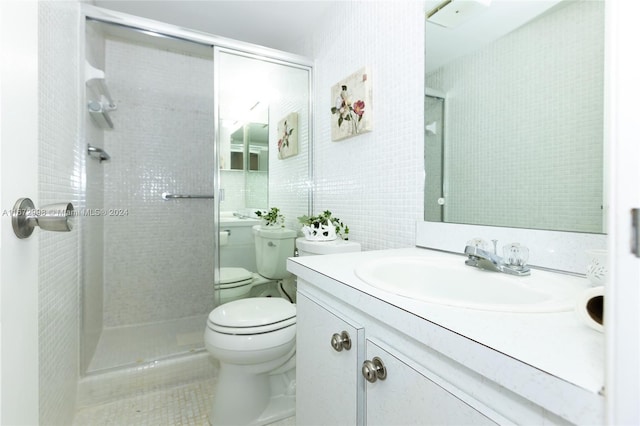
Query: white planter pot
{"points": [[322, 233]]}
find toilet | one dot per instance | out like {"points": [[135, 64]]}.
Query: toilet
{"points": [[235, 283], [254, 338]]}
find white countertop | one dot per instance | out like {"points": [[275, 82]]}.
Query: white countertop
{"points": [[555, 343]]}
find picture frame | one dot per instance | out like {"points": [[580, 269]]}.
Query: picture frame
{"points": [[287, 143], [351, 110]]}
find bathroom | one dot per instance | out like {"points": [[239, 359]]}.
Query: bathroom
{"points": [[392, 201]]}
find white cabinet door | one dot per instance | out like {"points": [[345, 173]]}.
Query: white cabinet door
{"points": [[329, 387], [408, 397]]}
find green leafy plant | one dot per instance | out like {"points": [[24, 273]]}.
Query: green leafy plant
{"points": [[326, 218], [272, 218]]}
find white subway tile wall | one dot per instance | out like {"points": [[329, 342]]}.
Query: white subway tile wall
{"points": [[373, 182], [562, 119], [61, 160], [159, 255]]}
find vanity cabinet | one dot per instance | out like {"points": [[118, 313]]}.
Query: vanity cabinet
{"points": [[328, 387], [410, 395], [343, 378], [442, 365]]}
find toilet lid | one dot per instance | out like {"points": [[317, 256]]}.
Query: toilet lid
{"points": [[234, 275], [255, 312]]}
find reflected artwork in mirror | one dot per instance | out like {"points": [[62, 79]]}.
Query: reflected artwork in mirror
{"points": [[514, 117]]}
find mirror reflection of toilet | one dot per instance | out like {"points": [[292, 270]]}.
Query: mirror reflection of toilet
{"points": [[271, 246], [253, 338]]}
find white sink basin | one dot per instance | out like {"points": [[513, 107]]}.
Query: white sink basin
{"points": [[448, 281]]}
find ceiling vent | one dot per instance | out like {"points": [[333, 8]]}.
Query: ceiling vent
{"points": [[453, 13]]}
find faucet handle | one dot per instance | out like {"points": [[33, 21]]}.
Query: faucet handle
{"points": [[479, 243], [515, 255]]}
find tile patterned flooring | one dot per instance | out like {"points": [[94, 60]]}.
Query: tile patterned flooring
{"points": [[186, 405], [130, 348]]}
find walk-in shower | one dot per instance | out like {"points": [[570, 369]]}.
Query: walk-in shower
{"points": [[151, 250]]}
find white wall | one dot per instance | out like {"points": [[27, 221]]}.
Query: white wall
{"points": [[61, 158], [373, 182]]}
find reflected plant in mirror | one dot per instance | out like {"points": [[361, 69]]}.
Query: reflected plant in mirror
{"points": [[514, 117]]}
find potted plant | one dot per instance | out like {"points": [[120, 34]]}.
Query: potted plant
{"points": [[271, 218], [323, 227]]}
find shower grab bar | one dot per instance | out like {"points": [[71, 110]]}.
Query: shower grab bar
{"points": [[168, 196]]}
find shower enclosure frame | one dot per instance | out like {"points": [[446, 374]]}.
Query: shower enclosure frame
{"points": [[442, 97], [219, 45]]}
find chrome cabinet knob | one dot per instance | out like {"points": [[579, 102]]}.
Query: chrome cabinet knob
{"points": [[341, 341], [374, 370]]}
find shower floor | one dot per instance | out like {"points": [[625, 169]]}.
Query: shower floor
{"points": [[130, 345]]}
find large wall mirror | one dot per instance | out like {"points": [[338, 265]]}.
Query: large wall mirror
{"points": [[514, 116], [255, 96]]}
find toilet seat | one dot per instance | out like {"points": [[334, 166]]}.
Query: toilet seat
{"points": [[233, 277], [252, 316]]}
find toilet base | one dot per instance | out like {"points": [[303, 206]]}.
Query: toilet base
{"points": [[254, 408]]}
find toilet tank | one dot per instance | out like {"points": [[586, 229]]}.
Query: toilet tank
{"points": [[273, 247], [309, 248]]}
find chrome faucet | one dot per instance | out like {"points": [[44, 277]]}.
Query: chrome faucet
{"points": [[484, 259]]}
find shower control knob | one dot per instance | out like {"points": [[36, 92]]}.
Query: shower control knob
{"points": [[341, 341], [374, 370]]}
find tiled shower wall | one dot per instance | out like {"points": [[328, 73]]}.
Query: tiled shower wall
{"points": [[158, 254], [373, 182], [61, 160], [562, 54]]}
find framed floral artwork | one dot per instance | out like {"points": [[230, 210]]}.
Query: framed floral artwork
{"points": [[351, 112], [288, 136]]}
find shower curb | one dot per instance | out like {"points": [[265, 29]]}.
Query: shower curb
{"points": [[110, 385]]}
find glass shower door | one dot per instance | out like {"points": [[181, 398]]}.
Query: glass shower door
{"points": [[257, 170], [149, 270]]}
